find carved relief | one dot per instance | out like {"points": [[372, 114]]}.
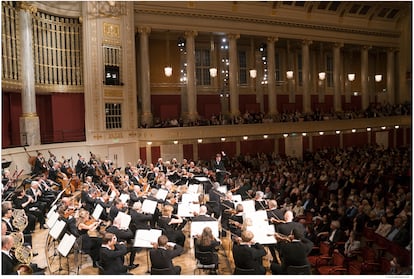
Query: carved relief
{"points": [[111, 30]]}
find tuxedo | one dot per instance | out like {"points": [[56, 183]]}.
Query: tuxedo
{"points": [[219, 169], [162, 258], [293, 253], [112, 261], [8, 264], [249, 257], [139, 221]]}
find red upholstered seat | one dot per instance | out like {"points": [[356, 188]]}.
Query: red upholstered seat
{"points": [[323, 252], [335, 265]]}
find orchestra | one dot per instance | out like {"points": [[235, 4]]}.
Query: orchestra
{"points": [[118, 193]]}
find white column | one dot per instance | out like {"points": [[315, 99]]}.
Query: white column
{"points": [[306, 76], [364, 77], [145, 76], [337, 76], [233, 75], [271, 75], [191, 76], [390, 76], [29, 121]]}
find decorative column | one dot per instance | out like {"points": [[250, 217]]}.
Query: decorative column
{"points": [[364, 77], [145, 76], [29, 121], [306, 76], [271, 77], [233, 74], [337, 76], [191, 76], [390, 76]]}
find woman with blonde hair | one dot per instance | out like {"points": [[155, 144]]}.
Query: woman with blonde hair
{"points": [[206, 242], [171, 225], [90, 244]]}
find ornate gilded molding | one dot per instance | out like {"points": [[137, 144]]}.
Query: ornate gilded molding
{"points": [[113, 93], [29, 115], [233, 36], [192, 33], [272, 39], [144, 29], [307, 42], [111, 30], [30, 8]]}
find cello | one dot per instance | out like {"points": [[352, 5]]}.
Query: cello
{"points": [[32, 159]]}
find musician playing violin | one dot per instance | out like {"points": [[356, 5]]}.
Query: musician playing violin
{"points": [[90, 245], [247, 254], [40, 165], [236, 221], [171, 225]]}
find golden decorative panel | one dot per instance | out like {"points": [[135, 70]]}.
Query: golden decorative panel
{"points": [[112, 93], [111, 30]]}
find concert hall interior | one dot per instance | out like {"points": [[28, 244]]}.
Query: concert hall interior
{"points": [[205, 138]]}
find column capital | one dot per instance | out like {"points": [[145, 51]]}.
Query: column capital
{"points": [[307, 42], [190, 33], [144, 29], [338, 45], [233, 36], [28, 7], [392, 49], [272, 39], [366, 47]]}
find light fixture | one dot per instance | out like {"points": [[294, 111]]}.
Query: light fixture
{"points": [[383, 127], [175, 142], [322, 73], [304, 134], [285, 135], [265, 136], [337, 132], [378, 78], [168, 68], [253, 73], [355, 93], [223, 139], [396, 127], [213, 72], [321, 133], [200, 140], [351, 77], [368, 129], [353, 130], [149, 142], [289, 72], [245, 137]]}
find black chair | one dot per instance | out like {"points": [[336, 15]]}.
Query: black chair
{"points": [[100, 268], [244, 271], [299, 270], [161, 271], [205, 262]]}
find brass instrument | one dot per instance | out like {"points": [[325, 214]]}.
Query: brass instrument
{"points": [[22, 253], [20, 220]]}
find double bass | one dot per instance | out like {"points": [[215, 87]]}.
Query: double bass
{"points": [[32, 159]]}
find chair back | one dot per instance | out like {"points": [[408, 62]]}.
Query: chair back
{"points": [[244, 271], [161, 271], [299, 270], [205, 258], [338, 259]]}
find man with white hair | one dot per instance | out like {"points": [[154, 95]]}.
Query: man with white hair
{"points": [[202, 215], [259, 202], [286, 227]]}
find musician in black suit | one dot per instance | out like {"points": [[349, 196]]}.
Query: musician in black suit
{"points": [[139, 220], [8, 261], [215, 197], [112, 255], [40, 165], [202, 215], [171, 225], [81, 167], [287, 225], [219, 168], [162, 255], [248, 254], [227, 206], [293, 251], [236, 221]]}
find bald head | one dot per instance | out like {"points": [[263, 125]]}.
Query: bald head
{"points": [[288, 216]]}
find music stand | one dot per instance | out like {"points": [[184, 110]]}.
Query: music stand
{"points": [[5, 164]]}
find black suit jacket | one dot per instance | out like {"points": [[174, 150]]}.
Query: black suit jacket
{"points": [[112, 261], [122, 235], [295, 252], [249, 257], [8, 265], [139, 221], [287, 228], [203, 218], [162, 258]]}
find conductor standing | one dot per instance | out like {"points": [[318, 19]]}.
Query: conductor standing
{"points": [[219, 168]]}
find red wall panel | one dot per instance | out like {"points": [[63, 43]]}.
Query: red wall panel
{"points": [[320, 142], [282, 146], [355, 139], [155, 154], [188, 152], [208, 151], [248, 102], [163, 102], [143, 154], [391, 138], [400, 137], [6, 129], [257, 146], [408, 133], [305, 142], [282, 102], [11, 112], [207, 105]]}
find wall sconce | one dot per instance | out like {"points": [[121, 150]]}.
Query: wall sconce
{"points": [[168, 71], [253, 73], [200, 140], [213, 72], [322, 75], [378, 78], [351, 77], [289, 74]]}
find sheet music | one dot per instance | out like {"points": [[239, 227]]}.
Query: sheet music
{"points": [[97, 212], [258, 217], [189, 198], [162, 194], [58, 197], [263, 234], [187, 209], [51, 211], [112, 196], [124, 197], [143, 238], [222, 189], [248, 206], [52, 219], [66, 244], [57, 229], [198, 227], [237, 198], [125, 220], [193, 188], [149, 206], [201, 178]]}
